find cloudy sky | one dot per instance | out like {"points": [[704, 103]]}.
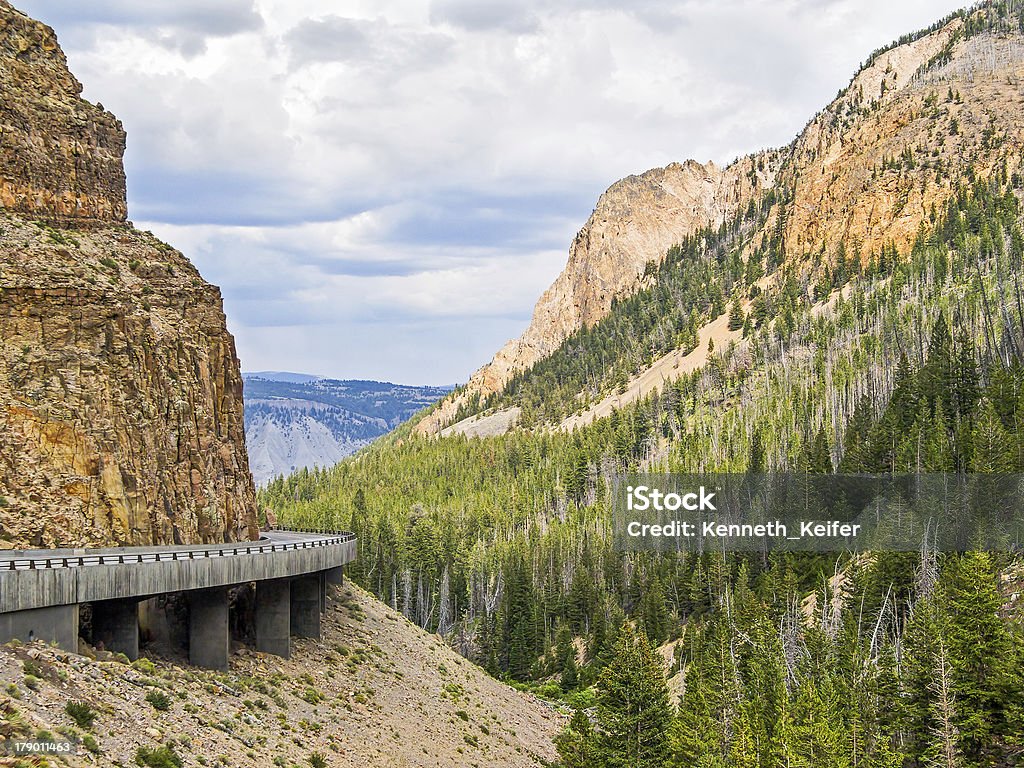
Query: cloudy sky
{"points": [[383, 188]]}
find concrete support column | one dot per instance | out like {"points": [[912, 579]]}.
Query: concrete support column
{"points": [[115, 623], [336, 576], [208, 636], [57, 624], [273, 617], [305, 606], [323, 591]]}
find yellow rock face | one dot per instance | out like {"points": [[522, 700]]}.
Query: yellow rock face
{"points": [[120, 394], [120, 391]]}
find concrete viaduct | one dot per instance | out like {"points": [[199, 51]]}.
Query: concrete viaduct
{"points": [[42, 593]]}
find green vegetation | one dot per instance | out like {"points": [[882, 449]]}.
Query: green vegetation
{"points": [[159, 700], [887, 361], [144, 665], [83, 714], [158, 757]]}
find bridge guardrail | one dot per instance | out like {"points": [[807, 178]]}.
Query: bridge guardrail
{"points": [[333, 538]]}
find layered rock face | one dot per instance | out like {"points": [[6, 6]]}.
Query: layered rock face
{"points": [[120, 393], [866, 172], [60, 156]]}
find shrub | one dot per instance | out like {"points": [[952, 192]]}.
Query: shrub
{"points": [[317, 760], [83, 715], [144, 665], [161, 757], [160, 700], [312, 696], [90, 744]]}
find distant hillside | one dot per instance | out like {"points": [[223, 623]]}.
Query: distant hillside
{"points": [[295, 420]]}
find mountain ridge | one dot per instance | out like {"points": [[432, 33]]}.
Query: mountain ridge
{"points": [[296, 421], [838, 171]]}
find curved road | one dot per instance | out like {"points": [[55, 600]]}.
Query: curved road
{"points": [[269, 542]]}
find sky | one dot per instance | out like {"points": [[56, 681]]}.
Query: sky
{"points": [[383, 188]]}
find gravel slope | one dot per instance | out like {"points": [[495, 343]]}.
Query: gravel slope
{"points": [[376, 691]]}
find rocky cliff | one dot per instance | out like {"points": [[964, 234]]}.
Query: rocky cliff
{"points": [[865, 172], [60, 156], [635, 222], [120, 393]]}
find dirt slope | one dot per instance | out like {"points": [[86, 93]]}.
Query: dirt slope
{"points": [[376, 691]]}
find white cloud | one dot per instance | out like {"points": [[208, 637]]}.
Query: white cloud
{"points": [[389, 186]]}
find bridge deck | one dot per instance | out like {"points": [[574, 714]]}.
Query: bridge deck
{"points": [[42, 578]]}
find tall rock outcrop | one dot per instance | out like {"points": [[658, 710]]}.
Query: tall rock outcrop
{"points": [[120, 393], [60, 156]]}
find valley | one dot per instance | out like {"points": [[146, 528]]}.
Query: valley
{"points": [[849, 304], [297, 421], [856, 309]]}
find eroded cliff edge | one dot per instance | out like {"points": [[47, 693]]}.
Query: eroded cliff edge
{"points": [[120, 390]]}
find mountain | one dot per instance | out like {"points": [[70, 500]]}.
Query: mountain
{"points": [[855, 305], [867, 171], [294, 378], [295, 420], [634, 223], [120, 393]]}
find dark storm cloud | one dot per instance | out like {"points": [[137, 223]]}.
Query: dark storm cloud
{"points": [[330, 39], [517, 18], [215, 19]]}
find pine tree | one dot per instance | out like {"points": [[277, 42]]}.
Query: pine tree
{"points": [[937, 373], [980, 652], [519, 638], [577, 744], [991, 447], [654, 613], [565, 658], [964, 374], [736, 315], [633, 711]]}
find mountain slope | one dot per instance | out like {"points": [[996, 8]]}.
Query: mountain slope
{"points": [[635, 221], [294, 421], [866, 172], [375, 691], [867, 314]]}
